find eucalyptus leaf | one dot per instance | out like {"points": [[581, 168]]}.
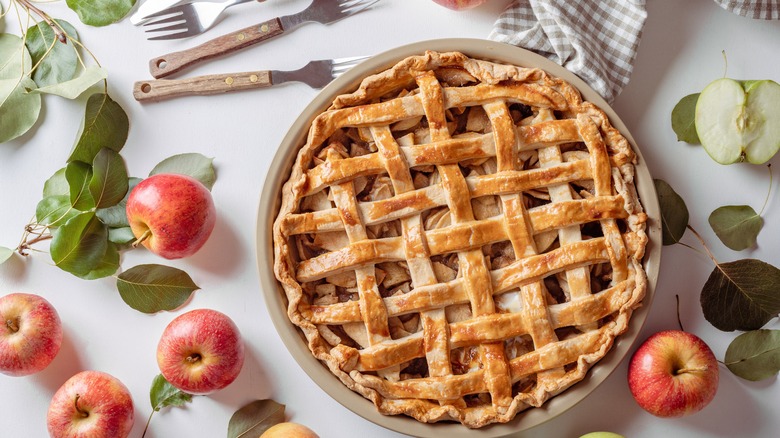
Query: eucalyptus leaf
{"points": [[737, 226], [108, 184], [120, 236], [19, 110], [754, 355], [153, 288], [255, 418], [78, 175], [195, 165], [106, 266], [55, 210], [79, 245], [5, 254], [56, 61], [77, 86], [163, 394], [100, 12], [674, 212], [684, 118], [741, 295], [105, 124], [57, 184], [15, 59], [116, 216]]}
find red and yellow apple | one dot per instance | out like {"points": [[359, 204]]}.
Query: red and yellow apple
{"points": [[673, 374], [200, 351], [170, 214], [459, 5], [91, 404], [288, 430], [30, 334]]}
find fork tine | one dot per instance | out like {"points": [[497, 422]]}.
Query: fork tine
{"points": [[359, 7], [169, 11], [173, 36], [351, 60], [174, 19], [179, 26]]}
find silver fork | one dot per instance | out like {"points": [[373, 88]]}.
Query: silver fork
{"points": [[197, 17], [316, 74], [320, 11]]}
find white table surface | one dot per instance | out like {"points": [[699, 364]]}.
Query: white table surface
{"points": [[679, 54]]}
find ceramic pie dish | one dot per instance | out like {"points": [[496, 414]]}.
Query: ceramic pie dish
{"points": [[458, 239]]}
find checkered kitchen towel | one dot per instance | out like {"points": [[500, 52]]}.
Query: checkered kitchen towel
{"points": [[758, 9], [595, 39]]}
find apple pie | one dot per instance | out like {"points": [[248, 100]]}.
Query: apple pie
{"points": [[460, 239]]}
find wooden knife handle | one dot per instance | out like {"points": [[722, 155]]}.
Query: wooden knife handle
{"points": [[200, 85], [171, 63]]}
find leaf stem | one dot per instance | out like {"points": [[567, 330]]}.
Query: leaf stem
{"points": [[698, 236], [45, 17], [148, 420], [679, 321], [766, 200]]}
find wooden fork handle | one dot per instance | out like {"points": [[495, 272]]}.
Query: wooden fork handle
{"points": [[171, 63], [200, 85]]}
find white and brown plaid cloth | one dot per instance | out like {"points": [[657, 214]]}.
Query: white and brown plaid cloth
{"points": [[757, 9], [595, 39]]}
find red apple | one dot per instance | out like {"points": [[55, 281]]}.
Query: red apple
{"points": [[673, 374], [30, 335], [289, 430], [91, 404], [200, 351], [459, 5], [170, 214]]}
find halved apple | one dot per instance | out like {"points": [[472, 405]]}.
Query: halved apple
{"points": [[739, 121]]}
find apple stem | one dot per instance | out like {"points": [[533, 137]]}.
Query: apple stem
{"points": [[13, 324], [83, 413], [194, 357], [143, 237]]}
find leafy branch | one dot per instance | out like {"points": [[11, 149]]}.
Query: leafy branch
{"points": [[739, 295]]}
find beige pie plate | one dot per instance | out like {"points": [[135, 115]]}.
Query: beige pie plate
{"points": [[277, 301]]}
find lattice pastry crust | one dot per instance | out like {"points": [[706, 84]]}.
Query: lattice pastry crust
{"points": [[460, 239]]}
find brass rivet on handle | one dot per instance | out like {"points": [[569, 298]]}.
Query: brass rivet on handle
{"points": [[264, 28], [253, 78], [229, 80], [241, 36]]}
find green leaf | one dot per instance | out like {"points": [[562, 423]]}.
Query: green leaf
{"points": [[78, 175], [737, 226], [106, 266], [255, 418], [5, 254], [674, 212], [79, 245], [152, 288], [741, 295], [120, 236], [19, 110], [116, 216], [195, 165], [56, 61], [57, 184], [105, 124], [15, 59], [754, 355], [100, 12], [108, 184], [55, 210], [684, 118], [163, 394], [75, 87]]}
